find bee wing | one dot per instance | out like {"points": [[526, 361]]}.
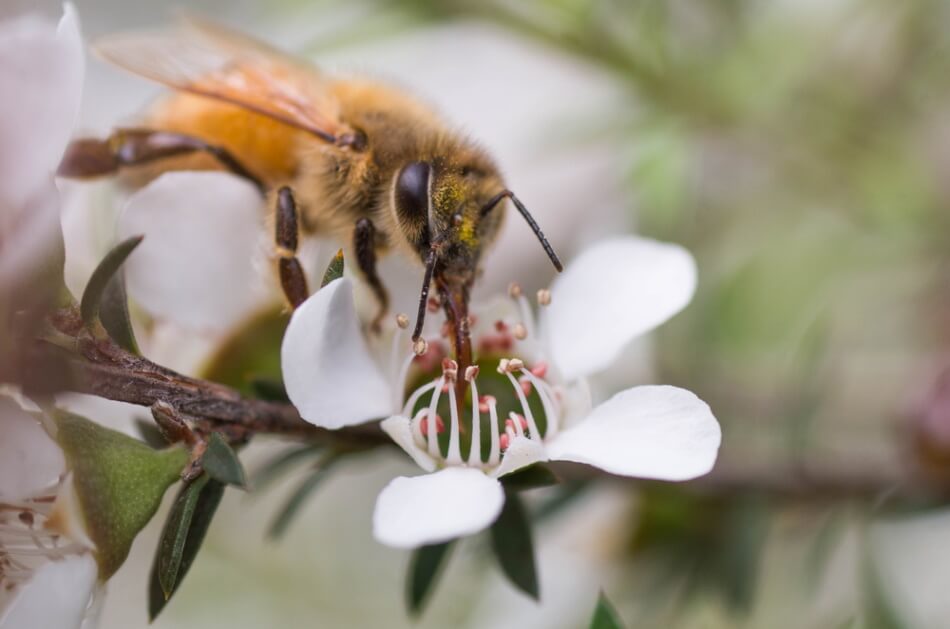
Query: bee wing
{"points": [[210, 60]]}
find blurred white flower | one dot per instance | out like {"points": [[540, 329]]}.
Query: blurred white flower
{"points": [[612, 293], [48, 574], [41, 74]]}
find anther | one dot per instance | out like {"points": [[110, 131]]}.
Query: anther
{"points": [[514, 290], [450, 369], [520, 332], [433, 304], [471, 372], [439, 425], [402, 321], [515, 364], [420, 347], [503, 365], [484, 402], [501, 326], [540, 369], [503, 442], [526, 386], [544, 297]]}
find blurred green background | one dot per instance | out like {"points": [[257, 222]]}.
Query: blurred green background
{"points": [[801, 151]]}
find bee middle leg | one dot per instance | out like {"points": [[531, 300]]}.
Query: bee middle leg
{"points": [[136, 147], [364, 243], [286, 231]]}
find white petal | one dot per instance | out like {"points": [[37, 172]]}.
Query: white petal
{"points": [[30, 462], [328, 371], [201, 261], [521, 452], [41, 74], [400, 429], [612, 293], [658, 432], [56, 596], [433, 508], [31, 234]]}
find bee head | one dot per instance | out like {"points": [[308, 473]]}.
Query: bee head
{"points": [[439, 205], [449, 213]]}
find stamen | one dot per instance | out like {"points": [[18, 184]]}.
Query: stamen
{"points": [[544, 297], [420, 346], [416, 426], [520, 332], [418, 393], [475, 452], [402, 321], [433, 404], [526, 410], [527, 318], [504, 440], [424, 424], [455, 452], [544, 391], [494, 455]]}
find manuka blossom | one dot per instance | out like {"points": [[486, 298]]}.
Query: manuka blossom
{"points": [[48, 573], [530, 399]]}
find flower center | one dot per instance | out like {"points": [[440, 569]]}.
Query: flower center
{"points": [[472, 418], [25, 542]]}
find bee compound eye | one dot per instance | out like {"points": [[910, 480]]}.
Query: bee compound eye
{"points": [[412, 191]]}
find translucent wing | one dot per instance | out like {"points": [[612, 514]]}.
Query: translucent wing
{"points": [[210, 60]]}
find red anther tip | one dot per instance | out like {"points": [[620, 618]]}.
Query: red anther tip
{"points": [[433, 304], [540, 369], [501, 326], [439, 425], [503, 442], [525, 386], [509, 424]]}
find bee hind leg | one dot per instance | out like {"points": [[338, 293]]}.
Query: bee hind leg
{"points": [[364, 243], [90, 157], [292, 279]]}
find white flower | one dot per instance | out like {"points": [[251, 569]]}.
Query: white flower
{"points": [[41, 73], [612, 293], [48, 574]]}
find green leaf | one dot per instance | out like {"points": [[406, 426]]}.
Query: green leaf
{"points": [[108, 267], [334, 269], [114, 314], [425, 567], [511, 541], [182, 536], [280, 464], [290, 509], [531, 477], [605, 616], [222, 464], [119, 481]]}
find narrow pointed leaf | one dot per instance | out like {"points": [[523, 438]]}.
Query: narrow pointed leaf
{"points": [[290, 509], [222, 463], [531, 477], [108, 267], [334, 269], [511, 541], [605, 616], [425, 567], [181, 539], [281, 464], [114, 314]]}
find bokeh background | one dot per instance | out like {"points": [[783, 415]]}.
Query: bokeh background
{"points": [[800, 150]]}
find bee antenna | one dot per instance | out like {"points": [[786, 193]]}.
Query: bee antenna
{"points": [[548, 249], [431, 259]]}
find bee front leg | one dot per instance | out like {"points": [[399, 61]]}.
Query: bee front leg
{"points": [[364, 243], [135, 147], [292, 279]]}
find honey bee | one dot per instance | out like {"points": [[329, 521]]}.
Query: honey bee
{"points": [[349, 158]]}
